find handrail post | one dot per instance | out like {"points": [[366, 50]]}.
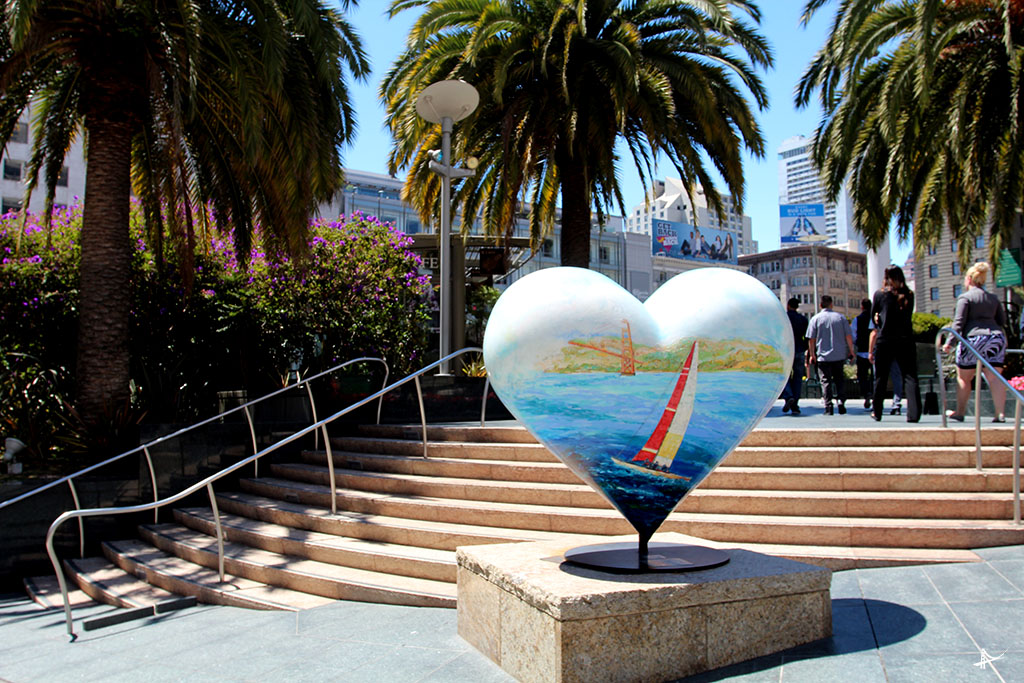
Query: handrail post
{"points": [[220, 532], [977, 413], [942, 379], [380, 401], [483, 408], [255, 448], [81, 524], [1016, 463], [61, 581], [423, 414], [312, 407], [152, 478], [330, 471]]}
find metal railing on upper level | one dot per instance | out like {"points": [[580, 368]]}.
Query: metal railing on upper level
{"points": [[979, 364], [207, 483], [145, 448]]}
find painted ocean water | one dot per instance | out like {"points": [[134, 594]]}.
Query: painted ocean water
{"points": [[588, 419]]}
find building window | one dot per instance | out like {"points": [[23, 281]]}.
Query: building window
{"points": [[62, 179], [412, 227], [602, 254], [7, 205], [20, 133], [932, 251], [12, 169], [979, 241], [935, 312], [956, 268], [957, 290], [548, 248], [953, 246], [933, 270], [933, 294]]}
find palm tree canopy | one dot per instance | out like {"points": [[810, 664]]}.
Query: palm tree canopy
{"points": [[921, 116], [241, 104], [560, 82], [244, 104]]}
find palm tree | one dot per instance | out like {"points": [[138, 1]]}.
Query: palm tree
{"points": [[922, 116], [561, 81], [239, 105]]}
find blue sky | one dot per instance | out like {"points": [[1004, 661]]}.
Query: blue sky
{"points": [[794, 46]]}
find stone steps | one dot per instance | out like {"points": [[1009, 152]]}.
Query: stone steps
{"points": [[836, 498], [106, 583], [298, 573], [187, 578], [727, 527]]}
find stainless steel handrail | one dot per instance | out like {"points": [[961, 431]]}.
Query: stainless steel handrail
{"points": [[207, 483], [183, 430], [977, 409]]}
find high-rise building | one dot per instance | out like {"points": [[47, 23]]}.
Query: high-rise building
{"points": [[668, 201], [800, 184], [70, 185]]}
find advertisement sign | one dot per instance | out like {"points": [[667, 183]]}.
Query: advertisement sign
{"points": [[800, 220], [679, 240]]}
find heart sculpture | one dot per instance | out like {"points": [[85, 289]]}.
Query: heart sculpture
{"points": [[642, 401]]}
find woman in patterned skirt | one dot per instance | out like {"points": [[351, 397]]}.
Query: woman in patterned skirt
{"points": [[980, 318]]}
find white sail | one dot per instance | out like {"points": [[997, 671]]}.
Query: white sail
{"points": [[677, 428]]}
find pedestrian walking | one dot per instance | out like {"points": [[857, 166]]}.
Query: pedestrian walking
{"points": [[893, 340], [791, 392], [830, 345], [862, 326], [981, 319]]}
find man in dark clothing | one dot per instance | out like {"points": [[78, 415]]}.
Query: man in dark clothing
{"points": [[862, 341], [791, 392]]}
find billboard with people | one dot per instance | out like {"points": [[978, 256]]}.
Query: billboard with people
{"points": [[800, 220], [679, 240]]}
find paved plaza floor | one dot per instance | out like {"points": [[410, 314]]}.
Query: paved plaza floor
{"points": [[957, 622]]}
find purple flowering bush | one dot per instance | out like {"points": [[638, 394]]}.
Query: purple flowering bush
{"points": [[214, 324]]}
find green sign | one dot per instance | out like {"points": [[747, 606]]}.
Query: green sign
{"points": [[1008, 274]]}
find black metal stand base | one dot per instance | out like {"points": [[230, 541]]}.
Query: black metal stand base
{"points": [[645, 558]]}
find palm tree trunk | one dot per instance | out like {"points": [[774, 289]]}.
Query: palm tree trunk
{"points": [[104, 298], [575, 240]]}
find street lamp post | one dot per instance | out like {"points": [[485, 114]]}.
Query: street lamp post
{"points": [[446, 102], [814, 240]]}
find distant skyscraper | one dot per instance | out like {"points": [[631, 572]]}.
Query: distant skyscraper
{"points": [[800, 184]]}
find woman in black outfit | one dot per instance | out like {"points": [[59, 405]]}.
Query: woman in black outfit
{"points": [[893, 339]]}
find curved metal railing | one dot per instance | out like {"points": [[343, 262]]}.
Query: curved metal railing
{"points": [[145, 448], [207, 483], [979, 364]]}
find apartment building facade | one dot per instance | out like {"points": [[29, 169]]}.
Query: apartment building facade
{"points": [[791, 272]]}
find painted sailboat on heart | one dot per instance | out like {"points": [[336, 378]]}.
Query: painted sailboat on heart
{"points": [[656, 457]]}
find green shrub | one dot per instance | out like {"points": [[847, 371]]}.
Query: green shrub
{"points": [[927, 325], [214, 325]]}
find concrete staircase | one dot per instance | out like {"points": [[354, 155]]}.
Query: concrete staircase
{"points": [[837, 498]]}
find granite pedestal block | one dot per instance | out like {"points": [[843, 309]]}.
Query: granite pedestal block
{"points": [[541, 619]]}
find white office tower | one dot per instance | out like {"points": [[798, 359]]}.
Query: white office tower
{"points": [[70, 185], [668, 201], [800, 185]]}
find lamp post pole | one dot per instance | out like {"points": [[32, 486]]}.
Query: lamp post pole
{"points": [[814, 240], [446, 102]]}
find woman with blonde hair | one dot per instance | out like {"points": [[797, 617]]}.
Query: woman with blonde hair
{"points": [[980, 318]]}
